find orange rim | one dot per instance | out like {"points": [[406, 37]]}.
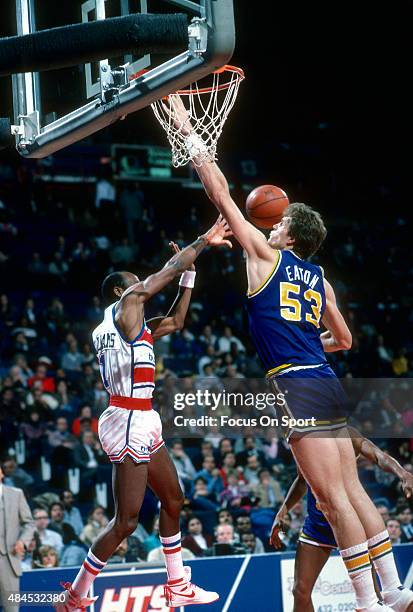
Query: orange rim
{"points": [[203, 90], [221, 86]]}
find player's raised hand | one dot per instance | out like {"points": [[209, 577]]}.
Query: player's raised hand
{"points": [[278, 527], [175, 248], [175, 109], [218, 233], [407, 485]]}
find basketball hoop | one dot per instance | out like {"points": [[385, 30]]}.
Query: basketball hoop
{"points": [[207, 110]]}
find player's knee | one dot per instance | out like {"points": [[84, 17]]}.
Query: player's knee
{"points": [[331, 505], [301, 594], [125, 526], [173, 504]]}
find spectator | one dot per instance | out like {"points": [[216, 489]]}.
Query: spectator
{"points": [[196, 541], [225, 341], [249, 541], [236, 492], [47, 536], [85, 413], [243, 525], [87, 455], [395, 533], [95, 312], [405, 517], [383, 510], [211, 475], [252, 470], [225, 517], [72, 360], [48, 557], [41, 378], [121, 553], [225, 543], [229, 465], [57, 522], [183, 464], [268, 490], [152, 541], [36, 268], [225, 447], [30, 552], [58, 267], [15, 476], [73, 552], [250, 448], [72, 514], [122, 254], [201, 499], [206, 360], [96, 523]]}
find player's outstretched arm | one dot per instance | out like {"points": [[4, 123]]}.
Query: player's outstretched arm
{"points": [[217, 189], [175, 319], [383, 460], [338, 336], [295, 493], [129, 311]]}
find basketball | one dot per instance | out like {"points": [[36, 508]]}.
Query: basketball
{"points": [[265, 205]]}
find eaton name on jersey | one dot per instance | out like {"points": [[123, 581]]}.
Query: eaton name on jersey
{"points": [[306, 276]]}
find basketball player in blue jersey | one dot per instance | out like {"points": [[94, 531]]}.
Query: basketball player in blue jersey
{"points": [[288, 301], [317, 540]]}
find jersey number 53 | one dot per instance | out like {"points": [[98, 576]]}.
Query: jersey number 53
{"points": [[291, 306]]}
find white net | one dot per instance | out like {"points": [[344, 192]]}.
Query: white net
{"points": [[193, 132]]}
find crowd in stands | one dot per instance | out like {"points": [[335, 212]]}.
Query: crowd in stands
{"points": [[54, 252]]}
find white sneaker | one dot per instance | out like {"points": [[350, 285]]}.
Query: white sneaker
{"points": [[401, 599], [72, 600], [183, 593]]}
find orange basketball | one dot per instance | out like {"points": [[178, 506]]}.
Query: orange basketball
{"points": [[265, 205]]}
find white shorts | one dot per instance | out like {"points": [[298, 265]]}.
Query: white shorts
{"points": [[133, 433]]}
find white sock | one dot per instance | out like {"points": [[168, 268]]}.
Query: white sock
{"points": [[357, 562], [173, 556], [381, 554], [91, 567]]}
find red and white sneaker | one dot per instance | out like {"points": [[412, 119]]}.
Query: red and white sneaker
{"points": [[183, 593], [72, 600]]}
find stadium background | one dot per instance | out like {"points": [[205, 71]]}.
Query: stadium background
{"points": [[323, 113]]}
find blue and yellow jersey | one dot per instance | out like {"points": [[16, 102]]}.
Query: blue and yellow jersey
{"points": [[285, 314]]}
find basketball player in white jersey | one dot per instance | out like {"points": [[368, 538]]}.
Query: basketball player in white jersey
{"points": [[130, 431]]}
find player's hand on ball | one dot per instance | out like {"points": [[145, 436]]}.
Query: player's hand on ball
{"points": [[218, 233], [175, 248], [277, 528]]}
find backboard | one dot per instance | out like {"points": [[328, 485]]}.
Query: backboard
{"points": [[56, 108]]}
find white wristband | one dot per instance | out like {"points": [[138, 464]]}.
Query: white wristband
{"points": [[195, 145], [187, 279]]}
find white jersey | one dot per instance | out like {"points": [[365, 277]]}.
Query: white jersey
{"points": [[127, 368]]}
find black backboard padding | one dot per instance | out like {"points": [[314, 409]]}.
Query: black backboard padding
{"points": [[80, 43]]}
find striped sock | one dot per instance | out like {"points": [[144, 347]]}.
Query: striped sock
{"points": [[357, 561], [173, 556], [381, 554], [91, 567]]}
